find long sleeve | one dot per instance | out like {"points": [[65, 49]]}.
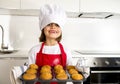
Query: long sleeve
{"points": [[69, 57], [32, 54]]}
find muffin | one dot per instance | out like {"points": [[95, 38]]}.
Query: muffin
{"points": [[31, 71], [70, 67], [46, 66], [62, 76], [77, 76], [58, 67], [45, 70], [59, 71], [33, 66], [73, 71], [28, 76], [46, 76]]}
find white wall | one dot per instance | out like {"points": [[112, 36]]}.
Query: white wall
{"points": [[93, 34], [22, 32]]}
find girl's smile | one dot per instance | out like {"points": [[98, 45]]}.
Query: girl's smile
{"points": [[52, 31]]}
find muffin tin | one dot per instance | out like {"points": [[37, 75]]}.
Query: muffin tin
{"points": [[54, 79]]}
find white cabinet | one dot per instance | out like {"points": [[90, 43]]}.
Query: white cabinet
{"points": [[100, 6], [68, 5], [10, 4], [4, 72], [5, 66], [32, 4]]}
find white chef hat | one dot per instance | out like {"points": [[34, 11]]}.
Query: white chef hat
{"points": [[52, 14]]}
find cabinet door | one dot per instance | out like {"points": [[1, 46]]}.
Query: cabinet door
{"points": [[10, 4], [68, 5], [32, 4], [5, 65], [100, 6], [4, 71]]}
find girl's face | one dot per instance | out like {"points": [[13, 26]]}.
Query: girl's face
{"points": [[52, 31]]}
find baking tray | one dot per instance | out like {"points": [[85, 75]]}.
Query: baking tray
{"points": [[54, 79]]}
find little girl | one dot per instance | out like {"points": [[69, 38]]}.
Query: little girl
{"points": [[50, 51]]}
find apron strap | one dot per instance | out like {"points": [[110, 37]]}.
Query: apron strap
{"points": [[63, 55], [41, 47], [40, 61]]}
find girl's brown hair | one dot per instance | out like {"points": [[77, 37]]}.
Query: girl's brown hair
{"points": [[42, 37]]}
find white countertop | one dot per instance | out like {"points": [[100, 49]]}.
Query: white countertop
{"points": [[95, 54], [19, 53], [24, 54]]}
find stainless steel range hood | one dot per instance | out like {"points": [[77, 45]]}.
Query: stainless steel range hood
{"points": [[98, 15], [35, 12]]}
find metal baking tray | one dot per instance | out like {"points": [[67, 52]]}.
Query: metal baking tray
{"points": [[54, 79]]}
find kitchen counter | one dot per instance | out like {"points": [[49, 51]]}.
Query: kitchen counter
{"points": [[77, 54], [18, 54], [24, 54]]}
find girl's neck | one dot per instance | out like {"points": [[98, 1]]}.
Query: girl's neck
{"points": [[51, 42]]}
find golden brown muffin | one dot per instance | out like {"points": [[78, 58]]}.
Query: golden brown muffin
{"points": [[58, 67], [70, 67], [45, 70], [62, 76], [46, 76], [73, 71], [59, 71], [46, 66], [77, 76], [27, 76], [31, 71], [33, 66]]}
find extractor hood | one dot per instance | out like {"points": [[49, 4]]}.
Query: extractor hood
{"points": [[35, 12], [97, 15]]}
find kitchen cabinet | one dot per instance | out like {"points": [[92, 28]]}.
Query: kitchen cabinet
{"points": [[5, 65], [4, 72], [32, 4], [10, 4], [68, 5], [100, 6], [31, 7]]}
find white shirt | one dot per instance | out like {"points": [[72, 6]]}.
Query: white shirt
{"points": [[48, 50]]}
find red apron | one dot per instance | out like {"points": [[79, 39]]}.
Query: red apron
{"points": [[51, 59]]}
